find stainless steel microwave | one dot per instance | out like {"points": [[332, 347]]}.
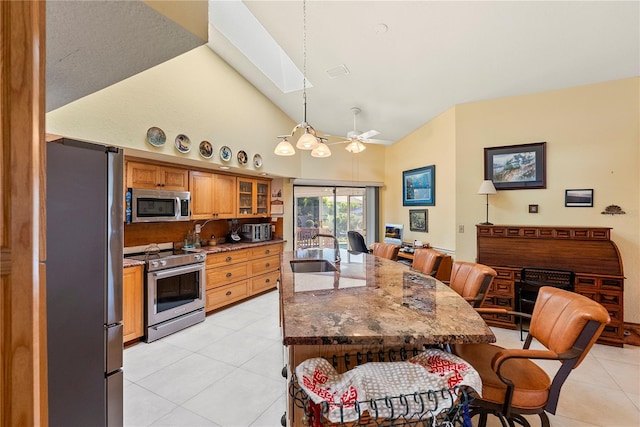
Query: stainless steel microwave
{"points": [[158, 205]]}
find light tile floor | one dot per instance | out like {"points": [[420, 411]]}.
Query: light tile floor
{"points": [[226, 372]]}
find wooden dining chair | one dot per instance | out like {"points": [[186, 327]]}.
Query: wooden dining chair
{"points": [[566, 324], [385, 250], [427, 260], [471, 281]]}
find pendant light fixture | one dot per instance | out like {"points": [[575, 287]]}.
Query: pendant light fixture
{"points": [[284, 148], [309, 139], [322, 150]]}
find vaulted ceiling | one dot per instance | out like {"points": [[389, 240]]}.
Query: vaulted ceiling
{"points": [[407, 61]]}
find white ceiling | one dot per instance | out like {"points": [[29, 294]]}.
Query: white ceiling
{"points": [[434, 55], [437, 54]]}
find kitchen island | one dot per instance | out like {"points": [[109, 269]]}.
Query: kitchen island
{"points": [[366, 304]]}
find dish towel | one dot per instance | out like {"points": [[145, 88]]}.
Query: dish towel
{"points": [[431, 370]]}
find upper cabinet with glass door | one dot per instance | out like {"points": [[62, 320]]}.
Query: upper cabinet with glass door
{"points": [[254, 198]]}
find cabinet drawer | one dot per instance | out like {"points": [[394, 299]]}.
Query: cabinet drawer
{"points": [[610, 298], [264, 265], [502, 287], [219, 297], [263, 282], [226, 258], [217, 277], [503, 273], [261, 251]]}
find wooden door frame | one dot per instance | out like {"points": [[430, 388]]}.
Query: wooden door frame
{"points": [[23, 372]]}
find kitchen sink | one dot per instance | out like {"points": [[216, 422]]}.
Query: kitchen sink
{"points": [[312, 266]]}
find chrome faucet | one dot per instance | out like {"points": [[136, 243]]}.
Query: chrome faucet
{"points": [[336, 245]]}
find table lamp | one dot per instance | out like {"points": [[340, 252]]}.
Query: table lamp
{"points": [[487, 188]]}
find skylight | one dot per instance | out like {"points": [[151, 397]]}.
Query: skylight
{"points": [[236, 22]]}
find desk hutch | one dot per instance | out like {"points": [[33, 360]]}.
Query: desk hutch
{"points": [[587, 251]]}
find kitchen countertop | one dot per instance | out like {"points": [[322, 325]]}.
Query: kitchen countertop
{"points": [[372, 301], [223, 247], [226, 247]]}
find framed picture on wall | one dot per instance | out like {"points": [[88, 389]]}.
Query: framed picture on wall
{"points": [[419, 187], [578, 198], [516, 167], [419, 220]]}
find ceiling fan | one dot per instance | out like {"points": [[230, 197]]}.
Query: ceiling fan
{"points": [[355, 138]]}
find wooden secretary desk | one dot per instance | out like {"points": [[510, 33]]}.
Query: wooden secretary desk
{"points": [[587, 251]]}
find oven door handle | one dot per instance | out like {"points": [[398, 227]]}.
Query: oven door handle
{"points": [[178, 208], [170, 272]]}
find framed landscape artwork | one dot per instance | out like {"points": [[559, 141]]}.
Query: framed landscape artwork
{"points": [[578, 198], [516, 166], [418, 220], [419, 187]]}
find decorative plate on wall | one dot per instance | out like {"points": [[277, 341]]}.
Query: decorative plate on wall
{"points": [[156, 136], [257, 161], [225, 153], [206, 149], [242, 157], [183, 143]]}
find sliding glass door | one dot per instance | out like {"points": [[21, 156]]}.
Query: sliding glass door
{"points": [[328, 210]]}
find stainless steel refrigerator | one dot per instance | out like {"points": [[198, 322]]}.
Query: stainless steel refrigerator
{"points": [[84, 284]]}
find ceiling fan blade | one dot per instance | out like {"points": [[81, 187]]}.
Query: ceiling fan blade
{"points": [[368, 134], [378, 141]]}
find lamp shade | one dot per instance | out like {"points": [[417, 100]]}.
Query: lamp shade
{"points": [[308, 140], [487, 187], [322, 150], [284, 148], [355, 146]]}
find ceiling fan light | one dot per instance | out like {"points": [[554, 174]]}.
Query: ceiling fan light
{"points": [[284, 148], [322, 150], [355, 147], [308, 140]]}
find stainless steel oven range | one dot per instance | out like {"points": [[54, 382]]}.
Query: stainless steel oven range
{"points": [[174, 291]]}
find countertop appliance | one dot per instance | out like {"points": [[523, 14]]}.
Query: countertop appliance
{"points": [[84, 284], [256, 232], [175, 290], [149, 205]]}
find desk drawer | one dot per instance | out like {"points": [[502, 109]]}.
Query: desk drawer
{"points": [[224, 295], [224, 275]]}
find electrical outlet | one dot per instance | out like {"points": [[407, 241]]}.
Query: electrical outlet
{"points": [[460, 228], [198, 228]]}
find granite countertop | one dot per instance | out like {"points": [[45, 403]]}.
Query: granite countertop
{"points": [[372, 301], [226, 247], [131, 263]]}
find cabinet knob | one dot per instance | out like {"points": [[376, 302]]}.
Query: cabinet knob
{"points": [[228, 293], [228, 259], [267, 281], [267, 251], [229, 274], [267, 264]]}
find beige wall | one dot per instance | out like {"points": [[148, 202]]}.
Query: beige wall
{"points": [[432, 144], [593, 138], [196, 94]]}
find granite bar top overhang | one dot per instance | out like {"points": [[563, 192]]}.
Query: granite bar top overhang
{"points": [[372, 301]]}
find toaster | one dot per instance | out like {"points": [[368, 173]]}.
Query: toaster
{"points": [[256, 232]]}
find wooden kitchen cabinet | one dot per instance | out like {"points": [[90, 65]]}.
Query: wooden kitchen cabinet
{"points": [[212, 195], [254, 198], [160, 177], [132, 303], [238, 274]]}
